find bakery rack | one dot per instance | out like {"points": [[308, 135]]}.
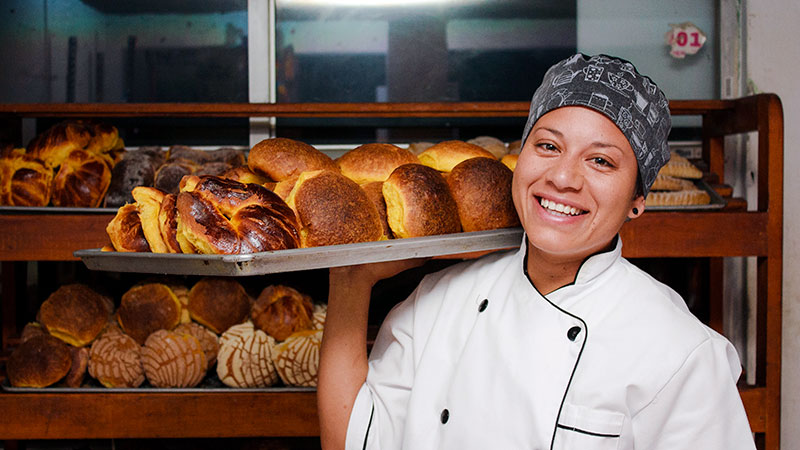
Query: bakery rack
{"points": [[732, 231]]}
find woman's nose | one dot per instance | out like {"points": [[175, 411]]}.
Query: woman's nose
{"points": [[566, 174]]}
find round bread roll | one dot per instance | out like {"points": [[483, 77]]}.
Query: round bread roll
{"points": [[173, 360], [74, 313], [419, 202], [297, 358], [82, 180], [31, 329], [24, 181], [510, 161], [57, 142], [482, 190], [333, 210], [125, 230], [446, 155], [218, 303], [115, 361], [146, 308], [280, 311], [244, 359], [148, 205], [282, 158], [39, 362], [208, 340], [491, 144], [227, 217], [418, 147], [374, 191], [373, 162]]}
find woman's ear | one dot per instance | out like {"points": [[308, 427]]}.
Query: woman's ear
{"points": [[637, 207]]}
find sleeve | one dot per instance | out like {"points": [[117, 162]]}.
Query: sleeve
{"points": [[699, 407], [378, 417]]}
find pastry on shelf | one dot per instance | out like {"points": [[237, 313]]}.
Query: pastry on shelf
{"points": [[319, 315], [39, 362], [670, 183], [24, 181], [244, 359], [281, 310], [115, 361], [680, 167], [74, 313], [297, 358], [218, 303], [280, 158], [419, 202], [148, 205], [173, 360], [447, 154], [678, 198], [146, 308], [373, 162], [374, 191], [136, 168], [78, 367], [481, 188], [208, 340], [491, 144], [125, 230], [243, 174], [82, 180]]}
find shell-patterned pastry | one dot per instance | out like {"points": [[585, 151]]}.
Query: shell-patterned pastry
{"points": [[115, 361], [245, 357], [318, 316], [173, 360], [208, 339], [297, 358]]}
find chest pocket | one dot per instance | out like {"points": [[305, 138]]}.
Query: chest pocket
{"points": [[583, 428]]}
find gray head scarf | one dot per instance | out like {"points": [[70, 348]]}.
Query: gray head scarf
{"points": [[613, 87]]}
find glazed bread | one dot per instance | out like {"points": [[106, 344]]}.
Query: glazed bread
{"points": [[491, 144], [173, 360], [168, 223], [280, 311], [115, 361], [297, 358], [446, 155], [125, 230], [244, 359], [419, 202], [148, 307], [373, 162], [482, 190], [243, 174], [281, 158], [82, 180], [148, 205], [224, 216], [74, 313], [218, 303], [24, 181], [39, 362], [333, 209], [208, 340], [510, 161], [55, 144]]}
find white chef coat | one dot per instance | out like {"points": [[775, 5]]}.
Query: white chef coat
{"points": [[477, 358]]}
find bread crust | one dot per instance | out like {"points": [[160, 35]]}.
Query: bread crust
{"points": [[74, 313], [39, 362], [447, 154], [24, 181], [82, 180], [280, 311], [146, 308], [218, 303], [125, 230], [282, 158], [373, 162], [482, 190]]}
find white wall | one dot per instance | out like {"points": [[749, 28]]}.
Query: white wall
{"points": [[772, 62]]}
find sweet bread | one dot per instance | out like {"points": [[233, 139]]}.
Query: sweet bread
{"points": [[282, 158], [481, 188], [74, 313], [447, 154], [148, 205], [491, 144], [168, 223], [680, 167], [24, 181], [244, 359], [146, 308], [297, 358], [280, 311], [678, 198], [39, 362], [373, 162], [173, 360], [208, 340], [125, 230], [137, 168], [669, 183], [374, 191], [419, 202], [218, 303], [82, 180], [510, 161], [77, 370], [55, 144], [115, 361]]}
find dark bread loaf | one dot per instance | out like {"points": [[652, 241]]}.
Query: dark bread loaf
{"points": [[39, 362], [218, 303], [74, 313]]}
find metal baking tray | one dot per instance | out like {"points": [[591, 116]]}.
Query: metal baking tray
{"points": [[717, 202], [54, 210], [279, 261]]}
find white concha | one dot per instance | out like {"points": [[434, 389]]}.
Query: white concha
{"points": [[115, 361], [173, 360], [245, 357], [297, 358]]}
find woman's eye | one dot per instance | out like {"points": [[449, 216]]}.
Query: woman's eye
{"points": [[548, 146], [602, 162]]}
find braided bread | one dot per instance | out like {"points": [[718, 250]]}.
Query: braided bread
{"points": [[216, 215], [24, 181]]}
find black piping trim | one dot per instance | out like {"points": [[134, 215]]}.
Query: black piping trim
{"points": [[590, 433], [369, 425]]}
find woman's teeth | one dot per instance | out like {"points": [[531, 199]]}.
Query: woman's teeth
{"points": [[559, 208]]}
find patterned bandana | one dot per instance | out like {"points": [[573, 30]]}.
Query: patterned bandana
{"points": [[614, 87]]}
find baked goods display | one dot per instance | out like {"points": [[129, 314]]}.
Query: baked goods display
{"points": [[39, 362], [447, 154], [146, 308], [173, 360], [297, 358], [281, 310], [218, 303], [481, 188], [373, 162], [115, 361], [675, 186], [419, 202], [245, 357], [74, 313]]}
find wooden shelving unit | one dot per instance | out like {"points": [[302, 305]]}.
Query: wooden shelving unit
{"points": [[731, 231]]}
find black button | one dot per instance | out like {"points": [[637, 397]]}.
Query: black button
{"points": [[445, 415], [483, 305], [573, 333]]}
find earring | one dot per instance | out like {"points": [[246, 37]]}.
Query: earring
{"points": [[635, 211]]}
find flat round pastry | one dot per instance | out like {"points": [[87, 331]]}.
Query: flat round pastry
{"points": [[218, 303], [222, 216], [282, 158], [297, 358], [24, 181], [115, 361], [482, 190], [146, 308], [208, 340], [419, 202], [510, 161], [245, 357], [447, 154], [74, 313], [125, 230], [39, 362], [333, 210], [148, 205], [491, 144], [281, 310], [82, 180], [57, 142], [173, 360], [373, 162]]}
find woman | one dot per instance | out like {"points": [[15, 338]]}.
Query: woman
{"points": [[562, 344]]}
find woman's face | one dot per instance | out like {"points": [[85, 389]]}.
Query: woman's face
{"points": [[574, 183]]}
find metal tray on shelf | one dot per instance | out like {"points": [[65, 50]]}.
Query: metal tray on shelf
{"points": [[717, 202], [302, 258]]}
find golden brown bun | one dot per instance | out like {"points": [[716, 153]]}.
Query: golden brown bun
{"points": [[491, 144], [77, 370], [284, 188], [281, 158], [218, 303], [373, 162], [24, 181], [243, 174], [74, 313], [115, 361], [333, 210], [208, 340], [418, 147], [374, 192], [148, 205], [32, 329], [168, 223], [146, 308], [244, 359], [419, 202], [280, 311], [39, 362], [82, 180], [515, 147], [57, 142], [297, 358], [446, 155], [482, 190], [173, 360], [510, 161], [225, 216], [125, 231]]}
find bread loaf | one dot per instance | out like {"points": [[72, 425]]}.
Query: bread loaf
{"points": [[74, 313], [447, 154], [297, 358], [218, 303], [55, 144], [481, 188], [245, 357], [280, 311], [491, 144], [125, 231], [39, 362], [82, 180], [115, 361], [146, 308], [281, 158], [243, 174], [374, 191], [419, 202], [373, 162], [24, 181], [148, 205], [173, 360]]}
